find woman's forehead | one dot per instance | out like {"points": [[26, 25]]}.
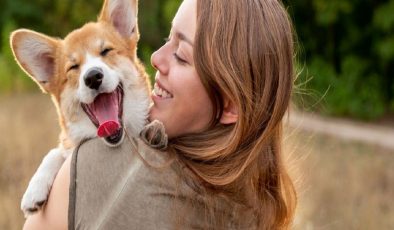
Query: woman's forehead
{"points": [[185, 20]]}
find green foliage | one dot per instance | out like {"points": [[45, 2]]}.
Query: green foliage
{"points": [[383, 17], [345, 93], [11, 77], [348, 54], [328, 12], [170, 8]]}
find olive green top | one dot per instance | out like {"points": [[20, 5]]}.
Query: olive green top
{"points": [[113, 188]]}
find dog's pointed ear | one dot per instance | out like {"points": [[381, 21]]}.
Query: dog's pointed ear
{"points": [[122, 14], [35, 54]]}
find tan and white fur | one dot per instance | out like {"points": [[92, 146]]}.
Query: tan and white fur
{"points": [[60, 67]]}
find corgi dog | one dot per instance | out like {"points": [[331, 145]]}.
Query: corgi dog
{"points": [[96, 82]]}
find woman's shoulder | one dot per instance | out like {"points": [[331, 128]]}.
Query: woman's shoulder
{"points": [[110, 184], [135, 185], [131, 162]]}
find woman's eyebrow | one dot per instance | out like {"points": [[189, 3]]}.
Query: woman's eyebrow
{"points": [[180, 35], [183, 37]]}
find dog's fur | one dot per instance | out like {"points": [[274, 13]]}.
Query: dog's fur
{"points": [[59, 67]]}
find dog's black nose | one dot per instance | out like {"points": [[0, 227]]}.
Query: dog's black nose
{"points": [[93, 78]]}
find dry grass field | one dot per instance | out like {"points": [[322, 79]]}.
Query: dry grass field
{"points": [[29, 129], [341, 185]]}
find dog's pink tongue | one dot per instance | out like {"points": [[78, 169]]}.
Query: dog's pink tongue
{"points": [[108, 128], [106, 110]]}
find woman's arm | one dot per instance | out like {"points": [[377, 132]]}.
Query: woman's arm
{"points": [[54, 215]]}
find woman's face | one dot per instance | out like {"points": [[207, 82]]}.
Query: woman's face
{"points": [[180, 100]]}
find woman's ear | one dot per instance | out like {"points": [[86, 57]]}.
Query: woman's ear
{"points": [[230, 112]]}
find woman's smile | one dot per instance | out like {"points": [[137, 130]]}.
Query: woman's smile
{"points": [[159, 92]]}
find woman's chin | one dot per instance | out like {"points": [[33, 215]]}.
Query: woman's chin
{"points": [[154, 113]]}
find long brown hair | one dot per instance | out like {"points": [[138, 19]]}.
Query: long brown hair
{"points": [[244, 51]]}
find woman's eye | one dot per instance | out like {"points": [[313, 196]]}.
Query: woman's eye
{"points": [[105, 51], [73, 67], [179, 60]]}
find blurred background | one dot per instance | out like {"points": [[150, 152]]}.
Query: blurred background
{"points": [[344, 170]]}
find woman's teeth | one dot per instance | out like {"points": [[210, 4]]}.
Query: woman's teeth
{"points": [[161, 92]]}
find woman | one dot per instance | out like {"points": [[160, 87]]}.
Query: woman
{"points": [[223, 84]]}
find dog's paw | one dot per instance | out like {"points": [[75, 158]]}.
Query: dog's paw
{"points": [[154, 135], [35, 196], [33, 207], [41, 183]]}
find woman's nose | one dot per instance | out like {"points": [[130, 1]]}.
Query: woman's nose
{"points": [[159, 62]]}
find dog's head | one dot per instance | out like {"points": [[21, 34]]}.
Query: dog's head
{"points": [[93, 74]]}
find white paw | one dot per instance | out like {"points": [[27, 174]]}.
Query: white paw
{"points": [[39, 186], [36, 194]]}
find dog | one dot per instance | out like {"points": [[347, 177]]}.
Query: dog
{"points": [[96, 81]]}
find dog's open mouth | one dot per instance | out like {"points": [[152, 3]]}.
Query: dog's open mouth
{"points": [[106, 114]]}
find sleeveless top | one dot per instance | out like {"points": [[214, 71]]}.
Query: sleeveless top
{"points": [[117, 188]]}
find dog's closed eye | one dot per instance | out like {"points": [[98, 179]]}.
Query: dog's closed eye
{"points": [[105, 51], [73, 67]]}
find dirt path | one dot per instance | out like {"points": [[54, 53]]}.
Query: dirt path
{"points": [[344, 129]]}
